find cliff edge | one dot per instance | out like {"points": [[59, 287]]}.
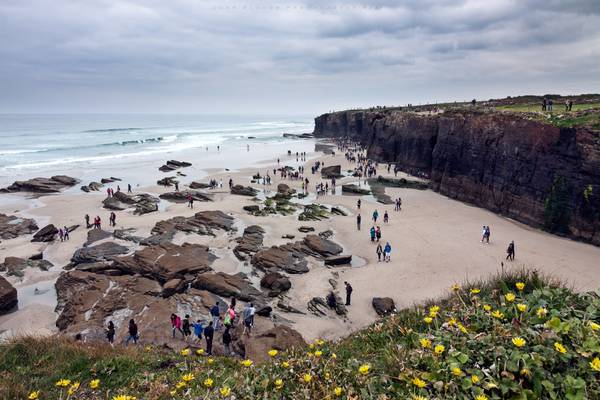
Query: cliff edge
{"points": [[528, 169]]}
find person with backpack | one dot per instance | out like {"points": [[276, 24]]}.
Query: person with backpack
{"points": [[248, 316], [133, 332], [176, 325], [198, 328], [375, 216], [187, 332], [226, 342], [378, 233], [372, 232], [215, 313]]}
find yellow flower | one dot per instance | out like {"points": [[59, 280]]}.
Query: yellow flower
{"points": [[73, 388], [487, 307], [451, 322], [188, 377], [475, 291], [311, 346], [34, 395], [208, 382], [417, 397], [455, 287], [428, 320], [541, 312], [285, 364], [594, 326], [225, 391], [247, 363], [318, 353], [279, 382], [333, 355], [510, 297], [474, 379], [210, 361], [439, 349], [148, 348], [364, 369], [497, 314], [319, 342], [307, 378], [491, 385], [462, 328], [419, 382], [338, 391], [272, 353], [173, 393], [200, 352], [180, 385], [425, 343], [310, 354], [63, 383], [123, 397], [519, 341], [525, 372], [185, 352], [95, 384], [595, 364], [456, 371], [433, 310], [481, 397], [522, 307], [560, 348], [520, 286]]}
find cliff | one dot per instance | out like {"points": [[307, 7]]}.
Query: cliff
{"points": [[532, 171]]}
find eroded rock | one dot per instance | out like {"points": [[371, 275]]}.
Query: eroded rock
{"points": [[12, 226]]}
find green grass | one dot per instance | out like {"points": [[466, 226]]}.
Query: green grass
{"points": [[479, 359], [559, 108]]}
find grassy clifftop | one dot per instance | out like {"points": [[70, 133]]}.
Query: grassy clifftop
{"points": [[513, 337]]}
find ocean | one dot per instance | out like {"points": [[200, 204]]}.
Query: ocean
{"points": [[92, 146]]}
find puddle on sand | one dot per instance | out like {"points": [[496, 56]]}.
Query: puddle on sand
{"points": [[46, 294]]}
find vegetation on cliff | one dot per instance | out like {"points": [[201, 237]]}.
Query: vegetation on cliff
{"points": [[516, 336]]}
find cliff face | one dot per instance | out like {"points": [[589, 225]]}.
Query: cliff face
{"points": [[534, 172]]}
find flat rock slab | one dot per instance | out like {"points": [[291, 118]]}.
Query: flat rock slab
{"points": [[226, 285], [8, 296], [338, 260], [46, 234], [12, 226], [101, 252], [250, 242], [95, 235], [332, 171], [383, 305], [15, 266], [202, 223], [244, 190], [182, 196], [53, 184]]}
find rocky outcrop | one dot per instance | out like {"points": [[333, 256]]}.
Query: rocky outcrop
{"points": [[95, 235], [279, 338], [199, 185], [12, 226], [15, 266], [166, 261], [182, 197], [172, 165], [46, 234], [8, 296], [276, 283], [354, 189], [526, 169], [226, 285], [244, 190], [201, 223], [332, 171], [383, 305], [338, 260], [250, 242], [101, 252], [53, 184], [143, 203], [285, 190]]}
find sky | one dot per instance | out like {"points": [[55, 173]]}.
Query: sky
{"points": [[289, 56]]}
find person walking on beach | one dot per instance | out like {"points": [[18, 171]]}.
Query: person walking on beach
{"points": [[190, 200], [176, 186], [378, 233], [133, 333], [176, 325], [112, 219], [208, 335], [215, 313], [483, 230], [61, 235], [226, 342], [510, 251], [386, 217], [65, 233], [358, 204], [348, 293], [187, 332], [358, 219], [375, 216], [379, 252], [87, 221], [487, 234], [387, 251], [129, 188], [110, 333], [372, 232], [198, 328]]}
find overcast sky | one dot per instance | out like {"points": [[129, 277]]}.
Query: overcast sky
{"points": [[297, 56]]}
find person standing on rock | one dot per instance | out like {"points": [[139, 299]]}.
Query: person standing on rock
{"points": [[65, 233], [358, 219], [226, 342], [187, 332], [110, 333], [133, 332], [379, 252], [510, 251], [198, 328], [176, 325], [215, 313], [348, 293], [248, 316], [208, 335], [61, 235], [177, 186]]}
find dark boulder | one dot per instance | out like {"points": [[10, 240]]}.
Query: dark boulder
{"points": [[101, 252], [250, 242], [12, 226], [338, 260], [8, 296], [332, 171], [46, 234], [182, 196], [244, 190], [354, 189], [276, 282], [274, 258], [226, 285], [53, 184], [383, 305]]}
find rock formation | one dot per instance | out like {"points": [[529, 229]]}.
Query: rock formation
{"points": [[250, 242], [201, 223], [15, 266], [383, 305], [172, 165], [529, 170], [53, 184], [12, 226], [244, 190], [46, 234], [8, 296], [182, 196], [332, 171]]}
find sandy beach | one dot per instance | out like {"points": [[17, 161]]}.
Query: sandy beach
{"points": [[435, 243]]}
